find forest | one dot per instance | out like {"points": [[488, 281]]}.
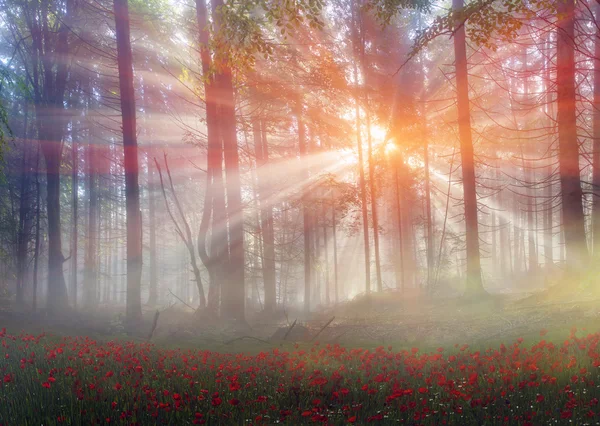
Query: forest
{"points": [[258, 176]]}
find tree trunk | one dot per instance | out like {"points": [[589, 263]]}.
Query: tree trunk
{"points": [[38, 211], [57, 292], [133, 310], [504, 231], [307, 220], [596, 143], [50, 115], [214, 200], [233, 288], [548, 216], [530, 182], [90, 267], [428, 215], [317, 254], [266, 213], [24, 226], [400, 273], [474, 285], [335, 255], [361, 170], [74, 228], [326, 255], [153, 287], [568, 148]]}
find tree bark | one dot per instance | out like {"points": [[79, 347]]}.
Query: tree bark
{"points": [[153, 287], [261, 153], [74, 227], [549, 214], [132, 190], [568, 148], [474, 285], [335, 254], [50, 116], [24, 226], [214, 199], [596, 142], [38, 211], [90, 267], [361, 170], [306, 215], [400, 271], [233, 287]]}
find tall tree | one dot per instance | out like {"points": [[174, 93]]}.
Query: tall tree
{"points": [[50, 54], [568, 147], [474, 284], [261, 152], [233, 288], [596, 140], [132, 189], [90, 267], [356, 23]]}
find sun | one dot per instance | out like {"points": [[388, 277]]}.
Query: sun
{"points": [[390, 148]]}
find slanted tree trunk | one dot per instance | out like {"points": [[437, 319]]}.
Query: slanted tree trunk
{"points": [[568, 148], [183, 230], [474, 285]]}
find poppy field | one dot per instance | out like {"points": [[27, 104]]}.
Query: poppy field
{"points": [[76, 380]]}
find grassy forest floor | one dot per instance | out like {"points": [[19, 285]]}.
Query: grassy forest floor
{"points": [[385, 359], [381, 319]]}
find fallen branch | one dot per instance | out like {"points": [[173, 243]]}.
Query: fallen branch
{"points": [[289, 330], [154, 324], [177, 297], [246, 337], [322, 328], [339, 336]]}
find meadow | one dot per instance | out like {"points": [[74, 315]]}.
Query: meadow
{"points": [[48, 379]]}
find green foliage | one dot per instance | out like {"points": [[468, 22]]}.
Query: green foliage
{"points": [[5, 131], [250, 28], [486, 22], [385, 10]]}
